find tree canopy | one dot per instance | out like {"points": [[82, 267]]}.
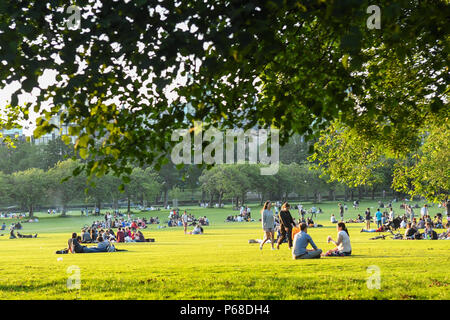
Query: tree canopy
{"points": [[136, 70]]}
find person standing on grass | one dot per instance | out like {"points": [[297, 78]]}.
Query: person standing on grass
{"points": [[341, 211], [343, 246], [268, 224], [368, 218], [391, 214], [184, 219], [379, 216], [301, 241], [286, 225]]}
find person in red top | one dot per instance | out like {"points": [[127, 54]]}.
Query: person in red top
{"points": [[134, 225], [120, 235]]}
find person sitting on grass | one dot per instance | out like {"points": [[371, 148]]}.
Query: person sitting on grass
{"points": [[403, 224], [197, 230], [139, 236], [301, 241], [3, 226], [333, 219], [343, 246], [410, 231], [383, 228], [438, 221], [85, 236], [421, 224], [74, 245], [429, 233], [102, 246], [446, 234], [120, 235]]}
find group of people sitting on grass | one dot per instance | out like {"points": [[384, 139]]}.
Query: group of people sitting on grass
{"points": [[11, 215], [244, 215], [104, 239], [123, 234], [186, 219], [74, 246], [129, 222], [412, 232], [301, 240]]}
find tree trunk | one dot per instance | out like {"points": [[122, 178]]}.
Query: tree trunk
{"points": [[211, 198], [165, 198], [64, 208], [352, 195], [129, 204], [30, 211], [220, 199], [98, 205], [373, 193]]}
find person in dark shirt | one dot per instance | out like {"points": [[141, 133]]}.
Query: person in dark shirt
{"points": [[286, 225], [368, 218], [410, 231], [120, 235], [74, 245]]}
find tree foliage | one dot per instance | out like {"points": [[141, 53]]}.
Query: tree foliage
{"points": [[289, 64]]}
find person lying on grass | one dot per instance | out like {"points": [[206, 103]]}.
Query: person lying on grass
{"points": [[343, 246], [301, 241], [383, 228], [19, 235]]}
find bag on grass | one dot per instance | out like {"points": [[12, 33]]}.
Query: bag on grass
{"points": [[295, 230]]}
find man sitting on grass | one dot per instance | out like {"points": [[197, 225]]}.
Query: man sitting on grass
{"points": [[301, 241], [410, 232]]}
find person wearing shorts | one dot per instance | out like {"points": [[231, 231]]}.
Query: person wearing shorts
{"points": [[184, 219], [268, 224]]}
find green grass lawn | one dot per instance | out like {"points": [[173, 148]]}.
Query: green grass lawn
{"points": [[221, 264]]}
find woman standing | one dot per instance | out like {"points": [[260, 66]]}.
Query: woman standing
{"points": [[286, 225], [343, 247], [268, 224]]}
